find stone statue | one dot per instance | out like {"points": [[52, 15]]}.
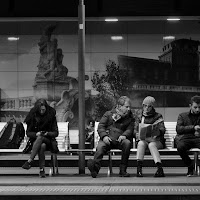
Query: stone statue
{"points": [[60, 72], [48, 53], [50, 66]]}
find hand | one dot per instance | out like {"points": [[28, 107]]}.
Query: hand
{"points": [[107, 140], [38, 134], [197, 128], [121, 138]]}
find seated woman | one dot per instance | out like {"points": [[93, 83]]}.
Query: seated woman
{"points": [[42, 129], [151, 135]]}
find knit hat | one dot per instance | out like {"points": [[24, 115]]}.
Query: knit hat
{"points": [[149, 101]]}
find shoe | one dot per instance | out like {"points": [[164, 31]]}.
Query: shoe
{"points": [[124, 174], [26, 165], [139, 169], [42, 174], [92, 168], [139, 173], [190, 171], [159, 173]]}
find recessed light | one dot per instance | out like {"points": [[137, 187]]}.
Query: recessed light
{"points": [[116, 37], [111, 20], [13, 38], [169, 37], [173, 19]]}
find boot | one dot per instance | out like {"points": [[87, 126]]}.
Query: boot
{"points": [[122, 171], [190, 170], [92, 166], [139, 168], [42, 173], [159, 172], [27, 165]]}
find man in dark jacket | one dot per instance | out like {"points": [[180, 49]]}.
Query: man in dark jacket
{"points": [[116, 132], [188, 132]]}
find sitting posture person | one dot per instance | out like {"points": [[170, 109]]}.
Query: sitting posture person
{"points": [[151, 136], [116, 131], [188, 132], [42, 129], [89, 133]]}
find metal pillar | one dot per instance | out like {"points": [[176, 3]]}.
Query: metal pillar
{"points": [[81, 83]]}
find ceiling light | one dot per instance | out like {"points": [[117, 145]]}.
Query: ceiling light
{"points": [[13, 38], [173, 19], [111, 20], [116, 37], [169, 37]]}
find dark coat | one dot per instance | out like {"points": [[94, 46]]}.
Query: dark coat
{"points": [[109, 127], [46, 123], [185, 125]]}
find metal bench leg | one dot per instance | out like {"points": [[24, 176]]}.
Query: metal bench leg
{"points": [[54, 164], [110, 172], [196, 163]]}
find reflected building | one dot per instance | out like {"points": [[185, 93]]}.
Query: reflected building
{"points": [[172, 79]]}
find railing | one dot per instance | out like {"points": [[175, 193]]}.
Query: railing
{"points": [[17, 103], [174, 88]]}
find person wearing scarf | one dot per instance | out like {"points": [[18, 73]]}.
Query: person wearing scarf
{"points": [[153, 143], [42, 130], [115, 129]]}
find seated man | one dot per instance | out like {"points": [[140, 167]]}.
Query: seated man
{"points": [[116, 132], [188, 132]]}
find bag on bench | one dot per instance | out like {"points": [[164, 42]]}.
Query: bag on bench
{"points": [[12, 135]]}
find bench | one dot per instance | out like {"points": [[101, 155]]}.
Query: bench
{"points": [[169, 150], [62, 139]]}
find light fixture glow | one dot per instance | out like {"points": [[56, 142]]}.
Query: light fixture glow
{"points": [[111, 20], [169, 37], [173, 19], [116, 37], [13, 38]]}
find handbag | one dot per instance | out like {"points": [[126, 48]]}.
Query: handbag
{"points": [[29, 145]]}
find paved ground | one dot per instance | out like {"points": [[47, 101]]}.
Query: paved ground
{"points": [[16, 181]]}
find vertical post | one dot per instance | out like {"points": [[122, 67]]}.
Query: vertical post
{"points": [[81, 83]]}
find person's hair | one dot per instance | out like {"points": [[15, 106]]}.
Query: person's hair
{"points": [[121, 101], [195, 99], [39, 103], [91, 120]]}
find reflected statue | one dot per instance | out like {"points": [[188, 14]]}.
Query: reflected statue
{"points": [[60, 72], [66, 103], [48, 53]]}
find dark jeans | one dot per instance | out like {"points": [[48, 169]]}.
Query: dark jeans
{"points": [[186, 144], [39, 147], [103, 148]]}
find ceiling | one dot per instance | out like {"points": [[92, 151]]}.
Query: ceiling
{"points": [[98, 8]]}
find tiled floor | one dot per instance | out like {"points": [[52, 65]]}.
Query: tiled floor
{"points": [[16, 181]]}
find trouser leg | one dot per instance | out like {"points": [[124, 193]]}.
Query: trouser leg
{"points": [[41, 155], [36, 147], [102, 148], [182, 147], [125, 147]]}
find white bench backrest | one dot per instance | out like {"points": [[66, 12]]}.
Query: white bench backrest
{"points": [[62, 139], [169, 134]]}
